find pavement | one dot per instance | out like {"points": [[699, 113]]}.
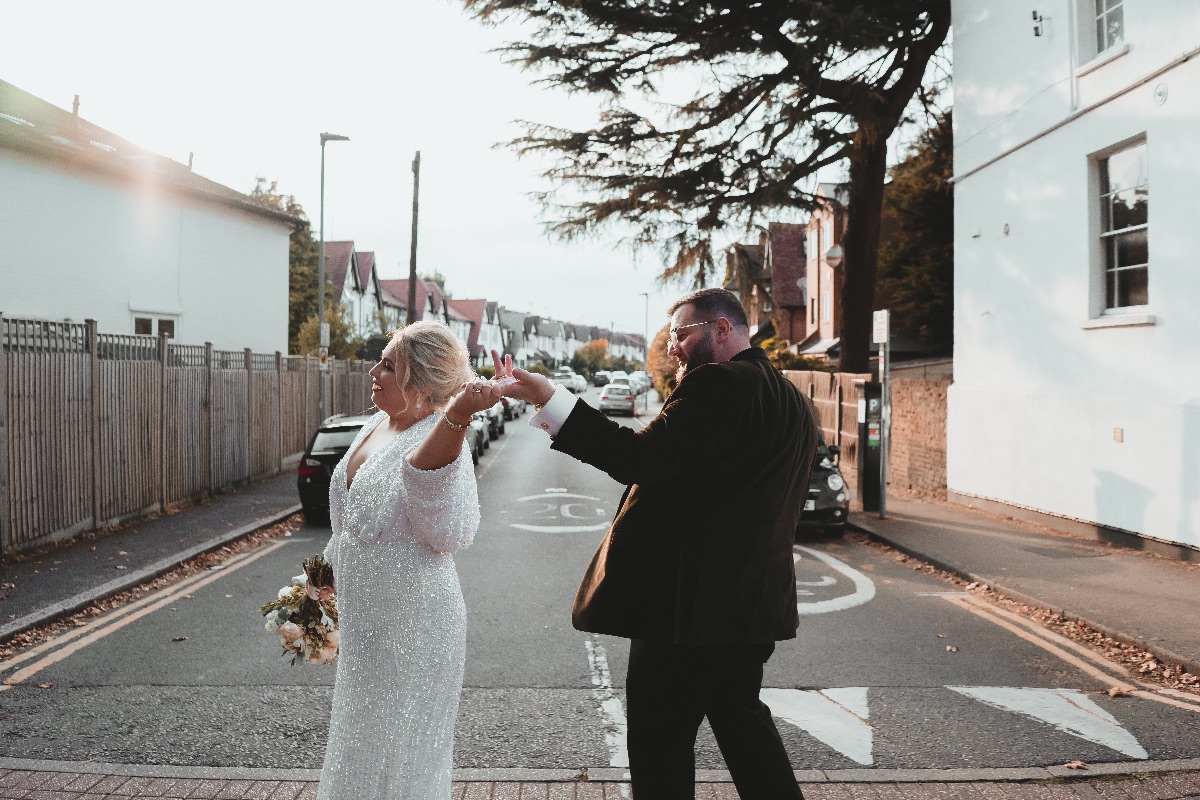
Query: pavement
{"points": [[1134, 596]]}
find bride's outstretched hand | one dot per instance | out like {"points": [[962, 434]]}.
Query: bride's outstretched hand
{"points": [[516, 382]]}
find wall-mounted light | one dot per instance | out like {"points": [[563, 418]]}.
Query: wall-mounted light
{"points": [[1037, 24]]}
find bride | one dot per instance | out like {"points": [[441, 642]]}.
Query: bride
{"points": [[401, 502]]}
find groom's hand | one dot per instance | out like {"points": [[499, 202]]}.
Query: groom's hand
{"points": [[521, 384]]}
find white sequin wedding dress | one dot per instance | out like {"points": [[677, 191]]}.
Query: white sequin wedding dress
{"points": [[402, 621]]}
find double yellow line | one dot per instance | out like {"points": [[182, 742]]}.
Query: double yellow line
{"points": [[70, 642], [1074, 653]]}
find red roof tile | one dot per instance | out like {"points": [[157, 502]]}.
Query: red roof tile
{"points": [[338, 256]]}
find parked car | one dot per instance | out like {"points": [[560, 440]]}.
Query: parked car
{"points": [[828, 502], [481, 419], [495, 416], [641, 381], [600, 378], [570, 379], [617, 397], [477, 436], [326, 448], [513, 407]]}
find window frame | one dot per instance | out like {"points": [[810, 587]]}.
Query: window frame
{"points": [[1100, 28], [1099, 238]]}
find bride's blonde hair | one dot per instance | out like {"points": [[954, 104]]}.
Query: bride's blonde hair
{"points": [[436, 363]]}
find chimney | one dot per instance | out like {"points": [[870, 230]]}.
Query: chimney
{"points": [[190, 156], [75, 106]]}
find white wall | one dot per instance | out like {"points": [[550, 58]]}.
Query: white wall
{"points": [[75, 247], [1042, 380]]}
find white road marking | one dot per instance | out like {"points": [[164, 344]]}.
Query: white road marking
{"points": [[553, 506], [864, 587], [836, 717], [611, 710], [1068, 710]]}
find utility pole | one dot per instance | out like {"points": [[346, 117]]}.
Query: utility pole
{"points": [[412, 255]]}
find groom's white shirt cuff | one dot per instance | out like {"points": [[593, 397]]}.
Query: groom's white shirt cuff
{"points": [[555, 412]]}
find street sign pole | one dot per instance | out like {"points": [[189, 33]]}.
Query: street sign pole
{"points": [[881, 330]]}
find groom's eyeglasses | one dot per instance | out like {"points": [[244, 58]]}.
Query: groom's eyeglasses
{"points": [[673, 335]]}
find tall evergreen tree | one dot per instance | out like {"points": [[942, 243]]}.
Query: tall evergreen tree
{"points": [[302, 262], [916, 262], [780, 90]]}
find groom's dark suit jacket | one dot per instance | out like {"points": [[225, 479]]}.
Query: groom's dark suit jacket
{"points": [[700, 551]]}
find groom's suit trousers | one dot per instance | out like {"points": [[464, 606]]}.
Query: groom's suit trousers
{"points": [[670, 689]]}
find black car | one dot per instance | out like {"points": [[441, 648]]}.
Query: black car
{"points": [[477, 435], [828, 502], [331, 441]]}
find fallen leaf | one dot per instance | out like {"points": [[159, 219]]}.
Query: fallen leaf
{"points": [[1075, 765], [942, 636], [120, 566], [45, 685], [1117, 691], [179, 639], [951, 648]]}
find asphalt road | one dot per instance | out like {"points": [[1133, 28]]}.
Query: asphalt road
{"points": [[892, 668]]}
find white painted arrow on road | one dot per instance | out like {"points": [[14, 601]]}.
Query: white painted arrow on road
{"points": [[835, 717], [1068, 710]]}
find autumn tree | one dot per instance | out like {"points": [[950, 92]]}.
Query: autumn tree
{"points": [[593, 357], [916, 261], [344, 342], [659, 366], [718, 111]]}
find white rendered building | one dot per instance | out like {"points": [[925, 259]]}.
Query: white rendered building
{"points": [[94, 227], [1077, 294]]}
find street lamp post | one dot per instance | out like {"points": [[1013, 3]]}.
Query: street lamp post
{"points": [[322, 325]]}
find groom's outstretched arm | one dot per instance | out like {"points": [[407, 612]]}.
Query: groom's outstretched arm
{"points": [[554, 403]]}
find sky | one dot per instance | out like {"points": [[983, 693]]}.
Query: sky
{"points": [[245, 88]]}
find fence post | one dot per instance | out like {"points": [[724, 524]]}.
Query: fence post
{"points": [[249, 407], [93, 345], [163, 405], [5, 522], [206, 421], [279, 409]]}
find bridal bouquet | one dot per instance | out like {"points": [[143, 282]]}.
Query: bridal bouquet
{"points": [[304, 615]]}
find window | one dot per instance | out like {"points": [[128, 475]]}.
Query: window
{"points": [[826, 306], [1110, 24], [1124, 229], [144, 326]]}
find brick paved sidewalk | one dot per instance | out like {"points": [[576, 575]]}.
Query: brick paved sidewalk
{"points": [[37, 785]]}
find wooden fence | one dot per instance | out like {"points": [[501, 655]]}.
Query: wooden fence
{"points": [[835, 400], [96, 428]]}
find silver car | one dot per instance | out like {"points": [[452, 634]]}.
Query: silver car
{"points": [[618, 397]]}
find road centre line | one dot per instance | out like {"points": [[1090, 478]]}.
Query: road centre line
{"points": [[613, 714], [149, 604], [1082, 658]]}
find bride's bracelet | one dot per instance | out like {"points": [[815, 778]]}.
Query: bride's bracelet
{"points": [[454, 425]]}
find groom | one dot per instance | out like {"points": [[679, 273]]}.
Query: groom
{"points": [[696, 569]]}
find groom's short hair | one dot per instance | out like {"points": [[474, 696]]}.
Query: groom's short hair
{"points": [[714, 302]]}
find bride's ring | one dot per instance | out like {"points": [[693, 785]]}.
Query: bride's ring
{"points": [[477, 390]]}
